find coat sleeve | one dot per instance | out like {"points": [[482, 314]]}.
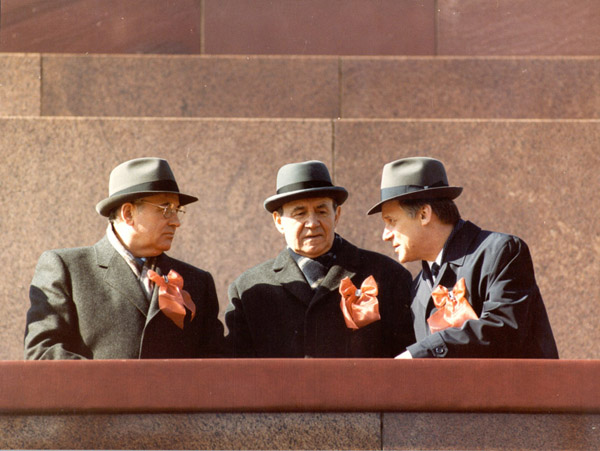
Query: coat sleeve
{"points": [[52, 330], [396, 313], [212, 333], [239, 340], [505, 282]]}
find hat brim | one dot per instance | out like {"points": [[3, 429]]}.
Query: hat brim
{"points": [[337, 193], [444, 192], [104, 207]]}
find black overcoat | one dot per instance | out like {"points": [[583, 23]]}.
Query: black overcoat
{"points": [[273, 312], [86, 303], [501, 288]]}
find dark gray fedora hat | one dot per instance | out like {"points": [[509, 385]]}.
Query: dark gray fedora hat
{"points": [[301, 180], [414, 178], [140, 178]]}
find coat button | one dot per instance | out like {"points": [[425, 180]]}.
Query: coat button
{"points": [[440, 350]]}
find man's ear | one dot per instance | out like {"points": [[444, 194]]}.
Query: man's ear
{"points": [[425, 214], [126, 213], [338, 212], [278, 222]]}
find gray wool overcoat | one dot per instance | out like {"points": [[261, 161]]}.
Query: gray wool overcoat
{"points": [[86, 303]]}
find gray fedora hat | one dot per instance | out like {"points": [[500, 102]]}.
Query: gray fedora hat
{"points": [[300, 180], [140, 178], [414, 178]]}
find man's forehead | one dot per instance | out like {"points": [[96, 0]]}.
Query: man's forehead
{"points": [[163, 198], [310, 202], [391, 208]]}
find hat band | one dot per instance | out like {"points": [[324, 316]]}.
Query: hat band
{"points": [[395, 191], [304, 185], [158, 185]]}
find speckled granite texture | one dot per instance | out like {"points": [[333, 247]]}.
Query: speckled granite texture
{"points": [[534, 179], [475, 88], [310, 27], [237, 86], [469, 431], [193, 431], [20, 85], [435, 431]]}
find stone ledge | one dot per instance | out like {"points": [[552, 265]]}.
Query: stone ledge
{"points": [[288, 385]]}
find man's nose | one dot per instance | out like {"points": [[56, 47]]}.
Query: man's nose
{"points": [[387, 234], [311, 220], [175, 222]]}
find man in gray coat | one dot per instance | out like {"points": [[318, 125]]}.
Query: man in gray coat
{"points": [[291, 306], [124, 298]]}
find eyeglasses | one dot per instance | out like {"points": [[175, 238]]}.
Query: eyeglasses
{"points": [[169, 210]]}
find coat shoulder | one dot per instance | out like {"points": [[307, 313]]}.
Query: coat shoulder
{"points": [[371, 260], [261, 272]]}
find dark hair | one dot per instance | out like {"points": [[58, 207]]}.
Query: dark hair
{"points": [[280, 209], [445, 209], [112, 216]]}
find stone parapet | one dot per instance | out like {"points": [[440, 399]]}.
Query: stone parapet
{"points": [[316, 403]]}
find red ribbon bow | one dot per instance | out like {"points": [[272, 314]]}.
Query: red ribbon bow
{"points": [[453, 307], [359, 307], [172, 298]]}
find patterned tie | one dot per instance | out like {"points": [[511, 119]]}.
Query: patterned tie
{"points": [[313, 270], [143, 264]]}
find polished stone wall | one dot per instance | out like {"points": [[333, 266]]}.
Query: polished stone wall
{"points": [[309, 27], [300, 404], [66, 121]]}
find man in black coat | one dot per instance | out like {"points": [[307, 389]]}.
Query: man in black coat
{"points": [[106, 301], [291, 306], [507, 314]]}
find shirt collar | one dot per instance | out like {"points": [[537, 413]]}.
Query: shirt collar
{"points": [[114, 240]]}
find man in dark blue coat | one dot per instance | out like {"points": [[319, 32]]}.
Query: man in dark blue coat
{"points": [[291, 306], [422, 222]]}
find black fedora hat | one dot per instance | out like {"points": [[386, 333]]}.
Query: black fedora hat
{"points": [[414, 178], [301, 180], [137, 178]]}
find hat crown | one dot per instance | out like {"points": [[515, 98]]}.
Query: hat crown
{"points": [[141, 171], [414, 178], [308, 174], [420, 172], [303, 180], [139, 178]]}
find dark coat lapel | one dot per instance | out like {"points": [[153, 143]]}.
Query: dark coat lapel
{"points": [[453, 259], [348, 254], [291, 278], [119, 275]]}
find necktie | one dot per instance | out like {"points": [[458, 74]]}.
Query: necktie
{"points": [[143, 264], [435, 269], [313, 270]]}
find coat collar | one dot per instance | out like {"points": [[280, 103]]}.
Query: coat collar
{"points": [[119, 275], [453, 257], [347, 263]]}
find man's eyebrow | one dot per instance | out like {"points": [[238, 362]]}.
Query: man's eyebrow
{"points": [[298, 208]]}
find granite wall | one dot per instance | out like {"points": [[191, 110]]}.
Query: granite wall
{"points": [[528, 168], [307, 27], [493, 93]]}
